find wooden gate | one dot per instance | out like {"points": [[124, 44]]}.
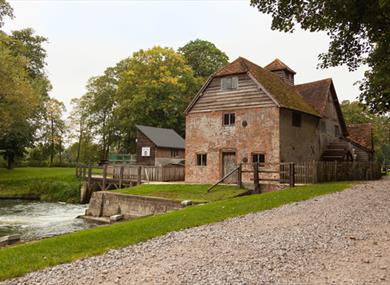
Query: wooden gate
{"points": [[229, 163]]}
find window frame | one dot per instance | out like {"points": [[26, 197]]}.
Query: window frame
{"points": [[296, 119], [257, 155], [201, 159], [231, 119], [174, 152], [233, 83]]}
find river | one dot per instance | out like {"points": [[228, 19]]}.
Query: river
{"points": [[35, 220]]}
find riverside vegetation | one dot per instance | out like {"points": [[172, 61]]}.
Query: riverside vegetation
{"points": [[21, 259], [42, 183]]}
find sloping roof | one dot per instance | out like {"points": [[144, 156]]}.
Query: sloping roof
{"points": [[285, 95], [316, 94], [277, 64], [162, 137], [361, 134]]}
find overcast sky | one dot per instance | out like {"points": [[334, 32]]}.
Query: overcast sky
{"points": [[86, 37]]}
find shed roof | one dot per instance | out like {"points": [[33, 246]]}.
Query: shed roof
{"points": [[162, 137], [361, 134], [277, 64], [286, 96]]}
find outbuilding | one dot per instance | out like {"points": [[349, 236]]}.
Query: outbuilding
{"points": [[159, 146]]}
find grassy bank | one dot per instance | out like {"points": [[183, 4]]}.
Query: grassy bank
{"points": [[20, 259], [44, 183], [196, 192]]}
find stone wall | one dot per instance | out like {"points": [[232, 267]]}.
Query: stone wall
{"points": [[106, 204], [205, 133], [299, 144]]}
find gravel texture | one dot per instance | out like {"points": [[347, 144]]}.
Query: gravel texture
{"points": [[341, 238]]}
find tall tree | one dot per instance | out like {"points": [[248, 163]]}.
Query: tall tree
{"points": [[359, 32], [5, 11], [154, 88], [204, 57]]}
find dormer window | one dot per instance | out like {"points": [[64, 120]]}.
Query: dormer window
{"points": [[229, 83]]}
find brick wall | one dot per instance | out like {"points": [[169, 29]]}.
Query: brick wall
{"points": [[205, 133]]}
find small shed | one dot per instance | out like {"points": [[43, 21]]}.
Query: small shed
{"points": [[159, 146]]}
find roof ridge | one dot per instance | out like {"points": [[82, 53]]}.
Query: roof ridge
{"points": [[316, 81]]}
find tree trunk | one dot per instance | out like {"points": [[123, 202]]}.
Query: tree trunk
{"points": [[52, 143], [79, 146], [60, 151]]}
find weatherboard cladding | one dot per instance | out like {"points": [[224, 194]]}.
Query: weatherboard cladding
{"points": [[162, 137], [248, 95], [267, 83]]}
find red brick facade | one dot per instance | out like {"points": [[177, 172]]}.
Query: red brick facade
{"points": [[205, 133]]}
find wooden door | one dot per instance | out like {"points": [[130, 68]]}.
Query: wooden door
{"points": [[229, 163]]}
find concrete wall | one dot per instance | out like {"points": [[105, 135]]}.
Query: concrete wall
{"points": [[299, 144], [106, 204], [205, 133]]}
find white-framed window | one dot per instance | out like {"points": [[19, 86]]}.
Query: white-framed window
{"points": [[229, 119], [229, 83], [201, 159]]}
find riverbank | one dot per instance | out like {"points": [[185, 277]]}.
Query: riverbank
{"points": [[40, 183], [20, 259], [340, 238]]}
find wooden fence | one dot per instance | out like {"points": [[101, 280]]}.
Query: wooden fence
{"points": [[148, 173], [327, 171]]}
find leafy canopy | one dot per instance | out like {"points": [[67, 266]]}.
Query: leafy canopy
{"points": [[203, 57], [359, 32]]}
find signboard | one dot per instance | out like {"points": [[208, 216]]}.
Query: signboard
{"points": [[145, 151]]}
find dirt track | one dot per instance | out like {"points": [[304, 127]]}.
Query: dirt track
{"points": [[342, 238]]}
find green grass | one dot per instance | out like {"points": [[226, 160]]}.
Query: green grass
{"points": [[44, 183], [194, 192], [20, 259]]}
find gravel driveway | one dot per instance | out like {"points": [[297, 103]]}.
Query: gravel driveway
{"points": [[342, 238]]}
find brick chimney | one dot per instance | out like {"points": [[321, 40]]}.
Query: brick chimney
{"points": [[282, 70]]}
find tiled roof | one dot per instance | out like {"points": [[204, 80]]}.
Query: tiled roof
{"points": [[162, 137], [277, 64], [316, 93], [361, 134], [284, 94]]}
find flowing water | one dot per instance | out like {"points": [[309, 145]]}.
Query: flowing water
{"points": [[35, 220]]}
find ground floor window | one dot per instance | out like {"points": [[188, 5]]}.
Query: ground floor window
{"points": [[201, 159], [258, 158]]}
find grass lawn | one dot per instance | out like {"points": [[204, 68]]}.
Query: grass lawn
{"points": [[44, 183], [195, 192], [20, 259]]}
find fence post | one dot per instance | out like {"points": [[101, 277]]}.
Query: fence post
{"points": [[239, 175], [121, 170], [292, 174], [256, 178], [335, 170], [104, 177], [139, 172], [89, 177]]}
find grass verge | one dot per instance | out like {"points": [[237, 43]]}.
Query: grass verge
{"points": [[43, 183], [20, 259], [195, 192]]}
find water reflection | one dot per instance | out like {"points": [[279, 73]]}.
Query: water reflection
{"points": [[34, 220]]}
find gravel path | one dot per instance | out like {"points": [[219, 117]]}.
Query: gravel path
{"points": [[342, 238]]}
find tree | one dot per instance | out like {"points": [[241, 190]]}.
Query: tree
{"points": [[355, 113], [359, 33], [5, 11], [18, 102], [154, 88], [204, 57]]}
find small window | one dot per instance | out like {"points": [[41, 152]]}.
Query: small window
{"points": [[201, 159], [323, 127], [258, 158], [336, 131], [229, 119], [229, 83], [174, 153], [296, 119]]}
